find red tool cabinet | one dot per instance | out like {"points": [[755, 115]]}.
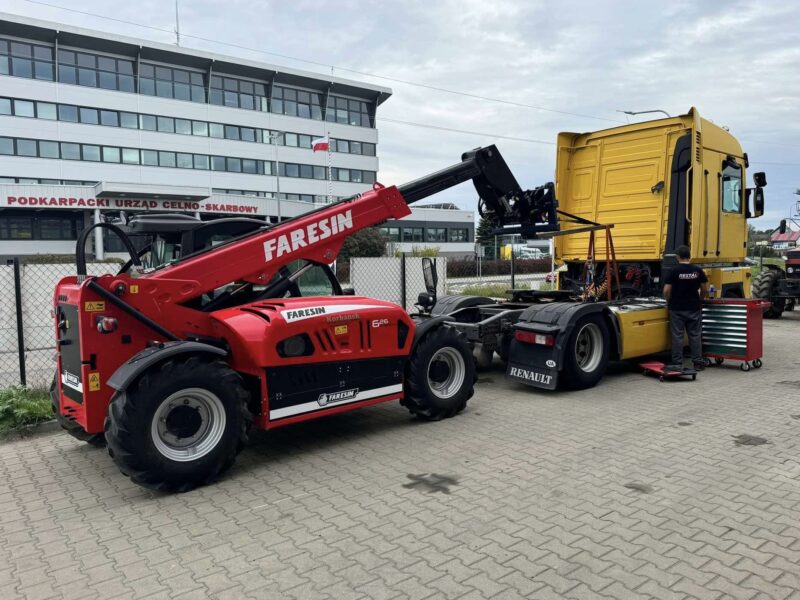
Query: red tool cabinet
{"points": [[733, 329]]}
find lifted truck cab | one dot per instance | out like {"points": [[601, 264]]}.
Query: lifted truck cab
{"points": [[659, 184]]}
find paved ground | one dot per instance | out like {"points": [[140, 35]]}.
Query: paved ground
{"points": [[634, 489]]}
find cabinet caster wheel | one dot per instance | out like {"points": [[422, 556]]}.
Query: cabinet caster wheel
{"points": [[719, 361], [694, 377], [745, 366], [661, 379], [757, 363]]}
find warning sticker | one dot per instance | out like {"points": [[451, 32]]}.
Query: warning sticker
{"points": [[94, 381], [95, 306], [340, 330]]}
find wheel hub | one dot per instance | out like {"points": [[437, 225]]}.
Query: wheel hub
{"points": [[446, 372], [588, 347], [188, 424]]}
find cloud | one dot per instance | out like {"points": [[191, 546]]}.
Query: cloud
{"points": [[736, 61]]}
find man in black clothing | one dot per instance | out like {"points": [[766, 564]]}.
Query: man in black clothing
{"points": [[684, 288]]}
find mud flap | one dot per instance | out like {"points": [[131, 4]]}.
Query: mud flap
{"points": [[533, 365]]}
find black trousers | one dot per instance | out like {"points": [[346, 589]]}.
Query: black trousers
{"points": [[690, 321]]}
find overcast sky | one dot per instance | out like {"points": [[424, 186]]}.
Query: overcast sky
{"points": [[737, 62]]}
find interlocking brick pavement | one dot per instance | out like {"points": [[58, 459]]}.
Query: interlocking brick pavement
{"points": [[534, 505]]}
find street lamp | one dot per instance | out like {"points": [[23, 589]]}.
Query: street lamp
{"points": [[273, 137]]}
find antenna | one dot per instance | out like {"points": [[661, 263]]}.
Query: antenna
{"points": [[177, 26], [643, 112]]}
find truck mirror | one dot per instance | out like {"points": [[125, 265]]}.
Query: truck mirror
{"points": [[430, 275], [760, 179], [758, 202], [782, 228]]}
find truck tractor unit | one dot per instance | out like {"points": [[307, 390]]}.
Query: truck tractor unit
{"points": [[780, 287], [234, 324], [627, 197]]}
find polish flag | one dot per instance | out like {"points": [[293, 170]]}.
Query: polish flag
{"points": [[321, 144]]}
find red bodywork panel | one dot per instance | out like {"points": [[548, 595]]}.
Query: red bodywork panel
{"points": [[87, 358]]}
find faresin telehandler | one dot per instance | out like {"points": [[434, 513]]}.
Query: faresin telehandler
{"points": [[627, 198], [236, 323]]}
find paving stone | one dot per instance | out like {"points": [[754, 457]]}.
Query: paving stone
{"points": [[539, 510]]}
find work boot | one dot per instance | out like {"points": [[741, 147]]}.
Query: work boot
{"points": [[674, 368], [699, 366]]}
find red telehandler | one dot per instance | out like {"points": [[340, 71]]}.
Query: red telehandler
{"points": [[171, 366]]}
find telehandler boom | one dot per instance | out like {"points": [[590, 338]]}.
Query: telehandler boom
{"points": [[171, 366]]}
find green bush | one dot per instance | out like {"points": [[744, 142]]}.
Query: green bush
{"points": [[23, 406]]}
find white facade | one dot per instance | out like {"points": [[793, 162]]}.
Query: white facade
{"points": [[269, 135]]}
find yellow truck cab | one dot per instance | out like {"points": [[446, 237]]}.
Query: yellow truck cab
{"points": [[659, 185]]}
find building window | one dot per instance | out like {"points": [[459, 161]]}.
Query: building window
{"points": [[48, 149], [459, 235], [237, 93], [391, 233], [164, 124], [47, 110], [347, 111], [412, 234], [16, 226], [166, 82], [58, 226], [70, 151], [26, 148], [92, 70], [67, 112], [89, 116], [24, 108], [21, 59], [437, 234], [40, 225], [296, 103]]}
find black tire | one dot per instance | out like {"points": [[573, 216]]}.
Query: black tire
{"points": [[586, 360], [434, 361], [137, 435], [98, 440], [764, 288]]}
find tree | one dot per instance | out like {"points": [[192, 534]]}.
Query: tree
{"points": [[485, 238], [365, 243]]}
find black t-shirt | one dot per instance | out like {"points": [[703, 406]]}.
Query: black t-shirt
{"points": [[685, 280]]}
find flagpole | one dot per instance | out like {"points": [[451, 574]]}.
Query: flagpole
{"points": [[330, 174]]}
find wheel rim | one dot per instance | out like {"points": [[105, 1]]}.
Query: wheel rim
{"points": [[188, 424], [589, 347], [446, 372]]}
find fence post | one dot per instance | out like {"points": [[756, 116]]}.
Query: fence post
{"points": [[513, 265], [20, 331], [403, 280]]}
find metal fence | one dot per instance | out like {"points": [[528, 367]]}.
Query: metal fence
{"points": [[27, 335], [399, 278]]}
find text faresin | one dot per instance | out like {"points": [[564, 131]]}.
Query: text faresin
{"points": [[310, 234]]}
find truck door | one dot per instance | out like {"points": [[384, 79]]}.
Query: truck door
{"points": [[731, 207]]}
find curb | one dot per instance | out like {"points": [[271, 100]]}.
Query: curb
{"points": [[26, 431]]}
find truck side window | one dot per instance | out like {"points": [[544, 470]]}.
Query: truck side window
{"points": [[731, 188]]}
